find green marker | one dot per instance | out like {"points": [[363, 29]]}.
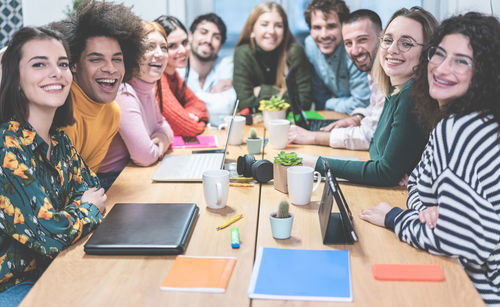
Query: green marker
{"points": [[235, 237]]}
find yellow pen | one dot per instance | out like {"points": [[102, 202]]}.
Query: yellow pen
{"points": [[229, 222]]}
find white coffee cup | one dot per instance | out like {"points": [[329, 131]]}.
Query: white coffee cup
{"points": [[278, 133], [215, 188], [237, 130], [300, 183]]}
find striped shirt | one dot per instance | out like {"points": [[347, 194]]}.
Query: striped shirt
{"points": [[459, 172]]}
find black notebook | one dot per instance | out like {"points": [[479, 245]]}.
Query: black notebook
{"points": [[144, 229]]}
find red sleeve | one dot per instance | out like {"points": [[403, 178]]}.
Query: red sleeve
{"points": [[175, 114], [192, 103]]}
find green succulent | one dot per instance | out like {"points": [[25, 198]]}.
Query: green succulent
{"points": [[273, 104], [287, 159], [253, 134]]}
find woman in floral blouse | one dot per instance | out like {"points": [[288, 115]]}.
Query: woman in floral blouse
{"points": [[49, 197]]}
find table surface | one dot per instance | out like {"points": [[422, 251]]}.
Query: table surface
{"points": [[89, 280]]}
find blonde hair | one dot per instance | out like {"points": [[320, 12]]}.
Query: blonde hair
{"points": [[288, 39], [429, 24]]}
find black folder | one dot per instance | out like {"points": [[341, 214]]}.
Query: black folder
{"points": [[144, 229]]}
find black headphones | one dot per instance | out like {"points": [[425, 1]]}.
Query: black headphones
{"points": [[261, 170]]}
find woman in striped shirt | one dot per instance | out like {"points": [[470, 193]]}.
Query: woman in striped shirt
{"points": [[454, 192]]}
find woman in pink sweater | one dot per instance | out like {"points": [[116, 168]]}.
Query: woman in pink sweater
{"points": [[144, 134]]}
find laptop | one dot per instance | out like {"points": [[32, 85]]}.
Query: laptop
{"points": [[190, 168], [336, 228], [299, 116], [144, 229]]}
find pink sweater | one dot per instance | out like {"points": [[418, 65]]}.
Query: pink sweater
{"points": [[140, 119]]}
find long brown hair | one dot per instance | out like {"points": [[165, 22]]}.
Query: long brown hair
{"points": [[429, 24], [288, 39]]}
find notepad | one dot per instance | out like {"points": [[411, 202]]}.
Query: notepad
{"points": [[300, 274], [205, 141], [199, 274]]}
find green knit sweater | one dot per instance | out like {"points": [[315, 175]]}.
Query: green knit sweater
{"points": [[248, 74], [396, 147]]}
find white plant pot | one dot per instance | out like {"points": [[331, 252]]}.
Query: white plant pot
{"points": [[270, 115], [254, 145], [281, 228]]}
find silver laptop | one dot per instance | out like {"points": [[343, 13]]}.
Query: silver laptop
{"points": [[190, 167]]}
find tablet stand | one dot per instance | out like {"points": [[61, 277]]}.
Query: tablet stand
{"points": [[336, 233]]}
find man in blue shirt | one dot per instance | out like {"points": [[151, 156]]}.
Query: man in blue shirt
{"points": [[338, 85]]}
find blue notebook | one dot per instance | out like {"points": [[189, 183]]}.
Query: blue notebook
{"points": [[301, 274]]}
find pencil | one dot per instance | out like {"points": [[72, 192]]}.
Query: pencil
{"points": [[237, 184], [229, 222]]}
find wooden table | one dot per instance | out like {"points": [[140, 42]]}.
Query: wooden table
{"points": [[77, 279]]}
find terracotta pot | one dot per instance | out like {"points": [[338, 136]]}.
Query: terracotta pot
{"points": [[281, 228]]}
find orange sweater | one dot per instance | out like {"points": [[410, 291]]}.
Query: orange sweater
{"points": [[96, 125], [176, 114]]}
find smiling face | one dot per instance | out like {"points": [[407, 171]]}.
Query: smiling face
{"points": [[178, 50], [326, 31], [45, 77], [445, 85], [206, 41], [155, 58], [268, 31], [361, 42], [399, 65], [100, 69]]}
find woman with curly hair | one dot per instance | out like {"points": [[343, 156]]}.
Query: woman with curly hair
{"points": [[266, 50], [49, 197], [186, 113], [454, 192]]}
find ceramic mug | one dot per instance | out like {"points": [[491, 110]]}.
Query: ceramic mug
{"points": [[215, 188], [300, 184], [278, 133], [237, 130]]}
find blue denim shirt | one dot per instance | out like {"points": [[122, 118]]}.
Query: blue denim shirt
{"points": [[337, 82]]}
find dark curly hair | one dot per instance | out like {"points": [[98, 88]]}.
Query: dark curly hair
{"points": [[13, 102], [101, 18], [325, 6], [483, 94]]}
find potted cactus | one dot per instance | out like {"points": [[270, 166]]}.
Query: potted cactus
{"points": [[281, 221], [273, 108], [283, 161], [254, 142]]}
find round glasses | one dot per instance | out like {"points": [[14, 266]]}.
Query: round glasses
{"points": [[404, 44], [459, 64]]}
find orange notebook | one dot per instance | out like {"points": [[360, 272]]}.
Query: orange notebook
{"points": [[415, 272], [199, 274]]}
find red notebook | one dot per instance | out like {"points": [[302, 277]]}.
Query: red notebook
{"points": [[408, 272], [202, 141]]}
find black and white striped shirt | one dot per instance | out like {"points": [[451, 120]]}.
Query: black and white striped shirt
{"points": [[460, 172]]}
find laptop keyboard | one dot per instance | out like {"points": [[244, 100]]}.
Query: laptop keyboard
{"points": [[202, 162], [316, 124]]}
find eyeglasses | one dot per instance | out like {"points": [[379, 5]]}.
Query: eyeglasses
{"points": [[458, 64], [404, 44]]}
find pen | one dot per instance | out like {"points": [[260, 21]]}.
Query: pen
{"points": [[237, 184], [229, 222]]}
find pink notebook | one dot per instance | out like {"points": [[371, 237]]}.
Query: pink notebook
{"points": [[204, 141]]}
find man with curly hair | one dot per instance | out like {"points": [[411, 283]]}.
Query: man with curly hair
{"points": [[338, 85], [105, 41]]}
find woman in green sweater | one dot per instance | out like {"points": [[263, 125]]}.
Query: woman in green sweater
{"points": [[264, 53], [398, 141]]}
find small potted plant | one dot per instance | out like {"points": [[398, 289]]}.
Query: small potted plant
{"points": [[283, 161], [281, 221], [273, 108], [254, 142]]}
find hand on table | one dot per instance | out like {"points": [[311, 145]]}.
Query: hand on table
{"points": [[429, 216], [404, 181], [96, 197], [376, 215], [299, 135], [351, 121]]}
